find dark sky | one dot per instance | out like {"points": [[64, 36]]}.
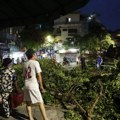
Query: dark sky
{"points": [[109, 11]]}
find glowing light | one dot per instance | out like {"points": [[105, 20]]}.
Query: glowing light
{"points": [[16, 55], [49, 38], [62, 51], [73, 50], [118, 35]]}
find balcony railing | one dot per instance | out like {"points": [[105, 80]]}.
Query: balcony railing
{"points": [[67, 23]]}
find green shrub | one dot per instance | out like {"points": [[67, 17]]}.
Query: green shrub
{"points": [[19, 72], [76, 88]]}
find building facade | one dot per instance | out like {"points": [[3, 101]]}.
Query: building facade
{"points": [[70, 25]]}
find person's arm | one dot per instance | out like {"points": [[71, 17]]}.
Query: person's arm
{"points": [[39, 78]]}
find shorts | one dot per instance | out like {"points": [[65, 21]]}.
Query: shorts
{"points": [[33, 96]]}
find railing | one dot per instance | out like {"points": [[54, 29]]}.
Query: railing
{"points": [[67, 23]]}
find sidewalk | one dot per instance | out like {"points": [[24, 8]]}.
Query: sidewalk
{"points": [[20, 113]]}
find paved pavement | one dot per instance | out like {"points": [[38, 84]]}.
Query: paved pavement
{"points": [[20, 113]]}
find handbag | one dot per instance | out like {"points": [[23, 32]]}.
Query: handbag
{"points": [[16, 99]]}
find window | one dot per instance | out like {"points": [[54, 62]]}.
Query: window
{"points": [[58, 30], [72, 30], [64, 29], [69, 19]]}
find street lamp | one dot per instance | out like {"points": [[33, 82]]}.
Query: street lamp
{"points": [[49, 39], [91, 17]]}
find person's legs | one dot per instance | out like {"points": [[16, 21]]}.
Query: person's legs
{"points": [[29, 110], [42, 109], [5, 104], [98, 66]]}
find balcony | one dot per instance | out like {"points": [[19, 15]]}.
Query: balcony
{"points": [[67, 23]]}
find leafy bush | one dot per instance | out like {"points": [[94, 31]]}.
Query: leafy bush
{"points": [[19, 72], [71, 115], [85, 95], [74, 87]]}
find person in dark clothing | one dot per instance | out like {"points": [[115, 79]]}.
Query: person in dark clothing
{"points": [[66, 60], [83, 62]]}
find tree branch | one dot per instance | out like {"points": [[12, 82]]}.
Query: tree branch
{"points": [[80, 107], [96, 100]]}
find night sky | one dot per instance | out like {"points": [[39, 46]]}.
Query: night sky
{"points": [[109, 11]]}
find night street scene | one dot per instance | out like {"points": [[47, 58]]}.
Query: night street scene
{"points": [[60, 60]]}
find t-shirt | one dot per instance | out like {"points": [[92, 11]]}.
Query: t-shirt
{"points": [[31, 68], [99, 60]]}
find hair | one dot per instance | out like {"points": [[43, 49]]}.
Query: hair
{"points": [[6, 62], [29, 56], [30, 53]]}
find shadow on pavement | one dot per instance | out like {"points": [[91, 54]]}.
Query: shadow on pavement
{"points": [[1, 111], [18, 116], [15, 114]]}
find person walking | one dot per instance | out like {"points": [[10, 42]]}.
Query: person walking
{"points": [[33, 86], [8, 83]]}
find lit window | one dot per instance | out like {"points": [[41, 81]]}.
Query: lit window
{"points": [[40, 26], [69, 19]]}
